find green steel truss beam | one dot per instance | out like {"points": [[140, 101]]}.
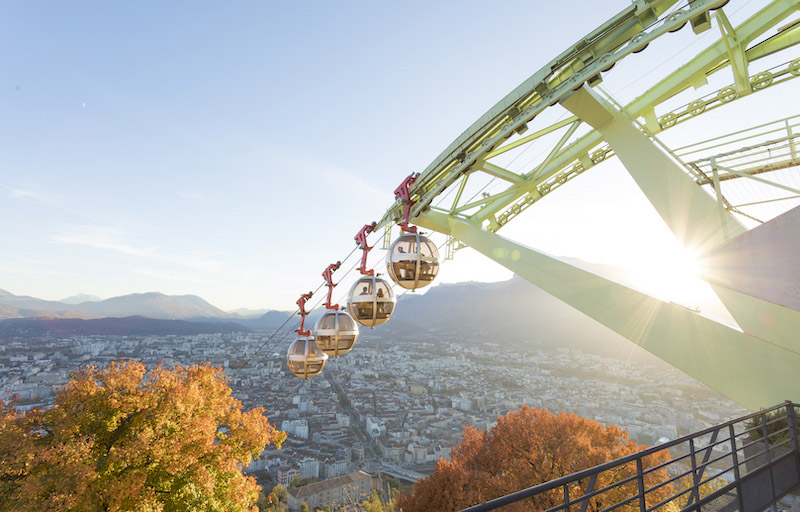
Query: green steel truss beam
{"points": [[584, 63], [747, 369], [691, 214]]}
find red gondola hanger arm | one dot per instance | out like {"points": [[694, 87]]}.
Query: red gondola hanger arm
{"points": [[301, 303], [328, 276], [361, 240], [404, 195]]}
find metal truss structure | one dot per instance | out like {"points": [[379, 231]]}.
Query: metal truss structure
{"points": [[754, 363]]}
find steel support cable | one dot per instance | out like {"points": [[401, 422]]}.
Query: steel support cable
{"points": [[442, 197], [543, 151], [392, 284], [260, 348], [675, 7], [315, 306], [682, 50], [319, 301]]}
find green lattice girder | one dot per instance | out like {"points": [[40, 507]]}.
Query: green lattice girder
{"points": [[629, 31], [742, 366]]}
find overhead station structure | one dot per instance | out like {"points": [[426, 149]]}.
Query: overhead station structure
{"points": [[755, 272]]}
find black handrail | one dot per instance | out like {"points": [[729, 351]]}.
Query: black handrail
{"points": [[694, 501]]}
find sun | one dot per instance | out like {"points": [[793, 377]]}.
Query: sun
{"points": [[672, 273]]}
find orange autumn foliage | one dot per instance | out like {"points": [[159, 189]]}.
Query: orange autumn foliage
{"points": [[527, 448], [124, 438]]}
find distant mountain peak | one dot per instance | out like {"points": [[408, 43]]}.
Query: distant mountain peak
{"points": [[155, 305], [248, 313], [81, 297]]}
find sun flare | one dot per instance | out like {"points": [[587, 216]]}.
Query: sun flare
{"points": [[673, 274]]}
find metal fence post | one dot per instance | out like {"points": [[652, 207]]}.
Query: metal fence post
{"points": [[790, 414], [566, 498], [736, 473], [709, 450], [640, 479], [695, 488], [792, 418], [765, 433]]}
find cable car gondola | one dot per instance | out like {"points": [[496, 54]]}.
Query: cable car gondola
{"points": [[305, 358], [371, 301], [336, 332], [413, 261]]}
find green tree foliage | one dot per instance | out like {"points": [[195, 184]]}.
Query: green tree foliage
{"points": [[280, 493], [124, 438], [376, 504], [776, 423], [275, 501]]}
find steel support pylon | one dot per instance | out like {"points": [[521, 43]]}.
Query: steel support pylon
{"points": [[691, 214], [749, 370]]}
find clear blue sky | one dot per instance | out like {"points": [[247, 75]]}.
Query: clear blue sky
{"points": [[232, 150]]}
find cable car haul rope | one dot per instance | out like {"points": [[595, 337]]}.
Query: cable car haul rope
{"points": [[412, 262]]}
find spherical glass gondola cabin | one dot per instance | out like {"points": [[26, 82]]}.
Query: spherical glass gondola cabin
{"points": [[413, 261], [371, 301], [305, 358], [336, 332]]}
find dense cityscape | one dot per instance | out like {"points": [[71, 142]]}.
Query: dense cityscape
{"points": [[391, 406]]}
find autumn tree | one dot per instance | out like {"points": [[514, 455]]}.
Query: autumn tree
{"points": [[527, 448], [124, 438]]}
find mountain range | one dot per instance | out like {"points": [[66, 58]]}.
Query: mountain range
{"points": [[127, 326], [152, 304], [510, 311], [150, 313]]}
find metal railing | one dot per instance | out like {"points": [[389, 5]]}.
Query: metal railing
{"points": [[746, 465]]}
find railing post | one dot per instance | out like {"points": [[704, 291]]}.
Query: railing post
{"points": [[765, 433], [566, 498], [790, 415], [792, 418], [640, 479], [695, 488], [736, 474]]}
